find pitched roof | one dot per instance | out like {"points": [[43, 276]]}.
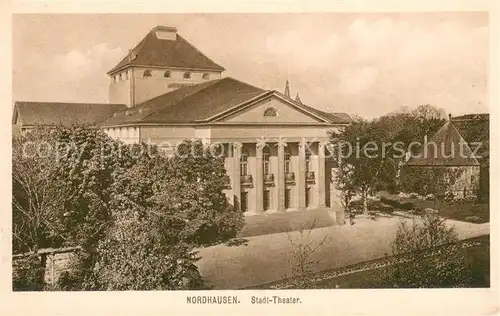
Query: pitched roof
{"points": [[190, 104], [335, 118], [475, 129], [156, 52], [53, 113], [445, 148], [202, 103]]}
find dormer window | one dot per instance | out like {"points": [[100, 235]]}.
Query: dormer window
{"points": [[146, 73], [270, 112], [167, 74], [187, 75], [206, 76]]}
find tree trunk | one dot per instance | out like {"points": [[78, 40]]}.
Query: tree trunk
{"points": [[365, 203]]}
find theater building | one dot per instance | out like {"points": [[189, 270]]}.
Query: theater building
{"points": [[274, 146]]}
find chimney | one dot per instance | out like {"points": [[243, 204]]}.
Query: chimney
{"points": [[166, 33]]}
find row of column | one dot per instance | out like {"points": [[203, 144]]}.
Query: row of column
{"points": [[300, 177]]}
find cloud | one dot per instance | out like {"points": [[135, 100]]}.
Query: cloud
{"points": [[73, 76]]}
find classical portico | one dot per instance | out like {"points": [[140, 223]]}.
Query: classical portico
{"points": [[276, 175]]}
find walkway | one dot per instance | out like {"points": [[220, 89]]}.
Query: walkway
{"points": [[266, 258]]}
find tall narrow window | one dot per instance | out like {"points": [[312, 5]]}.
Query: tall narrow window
{"points": [[308, 160], [146, 73], [287, 162], [187, 75], [167, 74], [244, 164], [266, 155]]}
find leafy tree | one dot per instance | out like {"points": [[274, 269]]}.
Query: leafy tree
{"points": [[432, 257], [361, 170], [193, 191], [138, 255]]}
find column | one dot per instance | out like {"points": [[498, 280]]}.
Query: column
{"points": [[259, 179], [321, 175], [301, 176], [237, 174], [281, 177]]}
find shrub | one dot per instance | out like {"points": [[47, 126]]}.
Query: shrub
{"points": [[433, 257], [28, 274]]}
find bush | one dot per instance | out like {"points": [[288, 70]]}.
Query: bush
{"points": [[28, 274], [433, 257]]}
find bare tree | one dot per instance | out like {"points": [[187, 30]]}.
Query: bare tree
{"points": [[34, 193], [303, 249]]}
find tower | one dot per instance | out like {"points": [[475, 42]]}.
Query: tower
{"points": [[162, 62]]}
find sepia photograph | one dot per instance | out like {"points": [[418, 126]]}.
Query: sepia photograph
{"points": [[250, 151]]}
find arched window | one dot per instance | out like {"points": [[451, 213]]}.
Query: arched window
{"points": [[270, 112], [146, 73], [187, 75], [167, 74], [206, 76]]}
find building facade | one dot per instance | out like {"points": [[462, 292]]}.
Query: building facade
{"points": [[273, 145]]}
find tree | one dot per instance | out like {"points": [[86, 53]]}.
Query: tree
{"points": [[360, 170], [137, 255], [193, 191], [432, 257], [36, 193]]}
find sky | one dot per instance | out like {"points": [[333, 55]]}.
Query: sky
{"points": [[364, 64]]}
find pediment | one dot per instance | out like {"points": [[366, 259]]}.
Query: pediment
{"points": [[272, 110]]}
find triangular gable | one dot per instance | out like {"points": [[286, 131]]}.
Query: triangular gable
{"points": [[272, 108], [446, 148]]}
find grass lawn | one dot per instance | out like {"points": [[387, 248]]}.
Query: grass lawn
{"points": [[465, 212], [478, 256]]}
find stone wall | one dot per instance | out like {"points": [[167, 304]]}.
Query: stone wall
{"points": [[55, 261]]}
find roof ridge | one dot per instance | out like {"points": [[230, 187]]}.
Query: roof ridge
{"points": [[215, 81], [304, 107]]}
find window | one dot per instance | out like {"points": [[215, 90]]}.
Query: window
{"points": [[308, 160], [266, 155], [287, 162], [206, 76], [147, 73], [244, 164], [270, 112], [114, 79], [187, 75], [126, 75], [167, 74], [120, 77]]}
